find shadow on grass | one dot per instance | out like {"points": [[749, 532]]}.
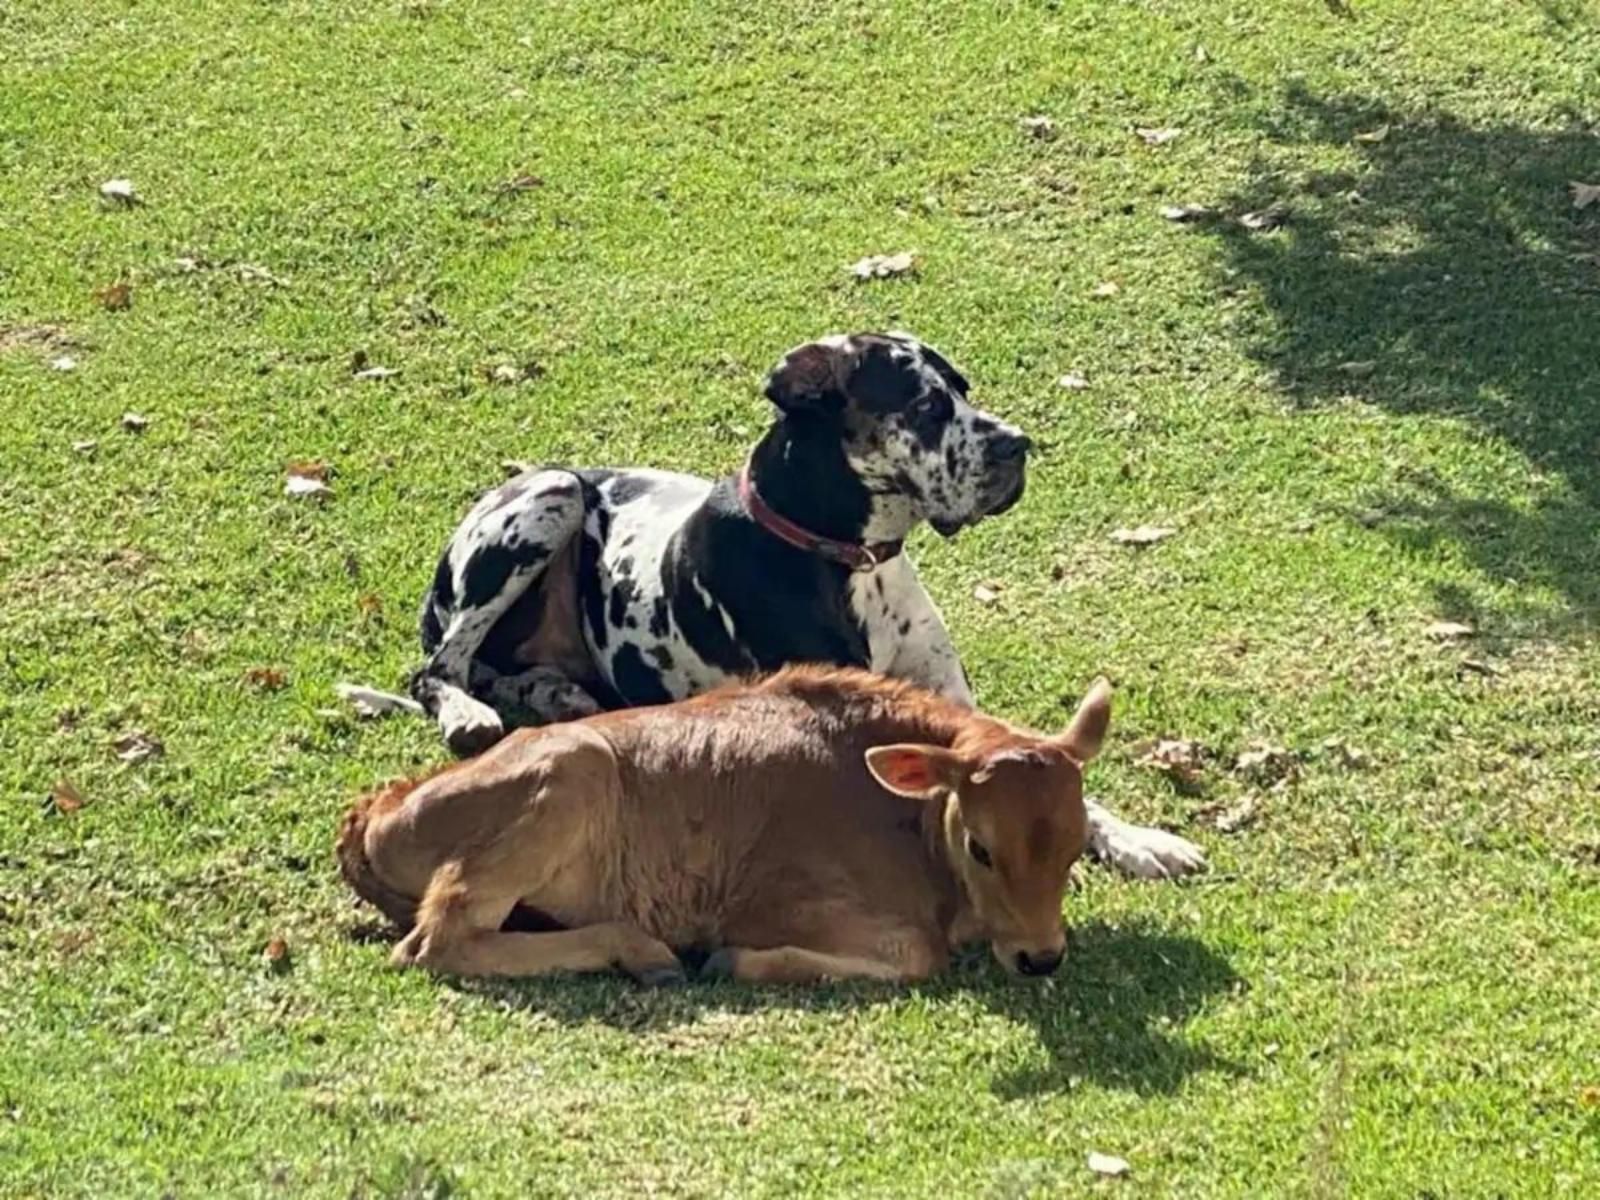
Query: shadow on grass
{"points": [[1112, 1017], [1454, 263]]}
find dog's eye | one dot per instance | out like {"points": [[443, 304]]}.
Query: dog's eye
{"points": [[979, 852], [935, 406]]}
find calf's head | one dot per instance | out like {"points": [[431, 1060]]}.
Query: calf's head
{"points": [[1014, 822], [900, 412]]}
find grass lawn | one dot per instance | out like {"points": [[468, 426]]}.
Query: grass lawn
{"points": [[1384, 414]]}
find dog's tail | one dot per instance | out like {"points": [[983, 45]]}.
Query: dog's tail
{"points": [[357, 867]]}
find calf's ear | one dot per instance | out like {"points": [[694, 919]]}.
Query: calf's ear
{"points": [[1086, 733], [918, 772]]}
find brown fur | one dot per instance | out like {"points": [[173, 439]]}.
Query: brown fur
{"points": [[760, 820]]}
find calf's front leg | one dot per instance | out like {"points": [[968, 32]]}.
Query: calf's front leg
{"points": [[588, 948]]}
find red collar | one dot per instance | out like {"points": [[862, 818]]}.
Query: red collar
{"points": [[858, 556]]}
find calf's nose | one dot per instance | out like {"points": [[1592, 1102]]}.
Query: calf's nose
{"points": [[1038, 964]]}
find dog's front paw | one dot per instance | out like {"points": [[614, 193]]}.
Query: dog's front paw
{"points": [[1142, 852], [469, 726]]}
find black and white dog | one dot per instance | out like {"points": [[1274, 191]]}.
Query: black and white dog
{"points": [[565, 592]]}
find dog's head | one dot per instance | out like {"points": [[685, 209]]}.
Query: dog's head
{"points": [[902, 417]]}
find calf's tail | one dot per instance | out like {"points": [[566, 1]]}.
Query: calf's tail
{"points": [[357, 867]]}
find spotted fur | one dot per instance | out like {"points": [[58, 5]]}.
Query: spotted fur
{"points": [[564, 592]]}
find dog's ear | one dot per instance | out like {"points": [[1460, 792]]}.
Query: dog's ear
{"points": [[813, 377]]}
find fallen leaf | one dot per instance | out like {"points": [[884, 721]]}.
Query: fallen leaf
{"points": [[134, 422], [65, 796], [267, 679], [1265, 220], [986, 593], [1348, 756], [1589, 1097], [377, 373], [1267, 764], [1072, 381], [369, 604], [1157, 136], [311, 469], [137, 747], [369, 702], [1478, 666], [1108, 1164], [276, 954], [1239, 816], [1200, 55], [120, 191], [65, 363], [115, 297], [256, 273], [1373, 136], [883, 266], [85, 447], [1448, 631], [1105, 290], [189, 264], [1041, 127], [1186, 212], [522, 183], [1179, 759], [1584, 194], [1358, 369], [304, 487], [1142, 535]]}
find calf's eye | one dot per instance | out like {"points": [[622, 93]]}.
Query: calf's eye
{"points": [[979, 852]]}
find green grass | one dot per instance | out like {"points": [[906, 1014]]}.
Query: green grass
{"points": [[1388, 985]]}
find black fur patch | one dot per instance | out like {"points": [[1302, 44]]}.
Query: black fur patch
{"points": [[635, 679], [491, 566]]}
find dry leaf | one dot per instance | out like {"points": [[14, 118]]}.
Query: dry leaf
{"points": [[1200, 55], [1589, 1097], [65, 796], [986, 593], [377, 373], [1186, 212], [276, 954], [310, 469], [1358, 369], [1239, 816], [255, 273], [1040, 127], [369, 702], [1584, 194], [268, 679], [1448, 631], [882, 266], [1266, 219], [115, 297], [1478, 666], [1108, 1164], [1157, 136], [1072, 381], [1373, 136], [85, 447], [304, 487], [1104, 291], [1142, 535], [522, 183], [369, 604], [65, 363], [1349, 757], [137, 747], [1267, 764], [1178, 759], [135, 423], [120, 191]]}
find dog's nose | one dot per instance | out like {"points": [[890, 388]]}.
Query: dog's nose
{"points": [[1038, 964], [1008, 447]]}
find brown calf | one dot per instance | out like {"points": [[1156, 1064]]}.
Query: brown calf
{"points": [[819, 823]]}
